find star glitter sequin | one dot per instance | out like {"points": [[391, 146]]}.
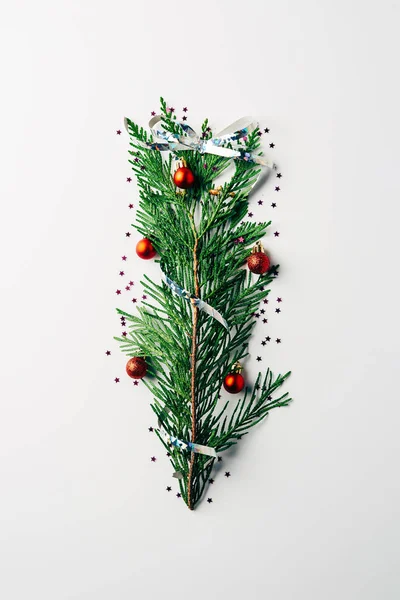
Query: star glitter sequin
{"points": [[260, 202], [118, 132], [279, 175], [153, 459], [118, 292], [273, 205], [276, 233], [209, 500], [277, 310], [108, 353], [279, 299], [116, 380], [277, 188], [168, 488], [272, 145], [128, 234], [129, 179], [266, 130], [123, 257], [121, 273], [278, 340], [227, 474], [130, 205], [211, 480]]}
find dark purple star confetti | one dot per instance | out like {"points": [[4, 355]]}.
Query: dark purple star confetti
{"points": [[153, 459], [116, 380], [276, 233], [118, 132], [108, 352]]}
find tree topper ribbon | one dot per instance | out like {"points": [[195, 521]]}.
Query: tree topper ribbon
{"points": [[189, 140]]}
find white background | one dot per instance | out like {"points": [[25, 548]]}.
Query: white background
{"points": [[311, 510]]}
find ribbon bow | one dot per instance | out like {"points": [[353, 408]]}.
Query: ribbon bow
{"points": [[189, 140]]}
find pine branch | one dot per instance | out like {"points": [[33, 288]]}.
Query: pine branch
{"points": [[203, 245]]}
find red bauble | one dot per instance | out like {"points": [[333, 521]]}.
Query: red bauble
{"points": [[258, 262], [183, 178], [145, 249], [136, 367], [234, 383]]}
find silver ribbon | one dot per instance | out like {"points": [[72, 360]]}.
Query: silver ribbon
{"points": [[197, 448], [201, 305], [189, 140]]}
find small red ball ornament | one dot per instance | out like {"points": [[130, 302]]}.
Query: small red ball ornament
{"points": [[183, 177], [136, 367], [258, 262], [234, 382], [145, 249]]}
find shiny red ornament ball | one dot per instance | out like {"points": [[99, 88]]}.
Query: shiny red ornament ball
{"points": [[136, 367], [183, 178], [234, 383], [145, 249], [258, 262]]}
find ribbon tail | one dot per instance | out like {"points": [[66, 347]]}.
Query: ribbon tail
{"points": [[213, 313]]}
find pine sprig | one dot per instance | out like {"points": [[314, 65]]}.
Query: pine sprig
{"points": [[206, 223]]}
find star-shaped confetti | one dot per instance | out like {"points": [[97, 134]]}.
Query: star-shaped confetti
{"points": [[118, 292], [116, 380], [168, 488], [278, 340], [272, 145], [108, 352], [227, 474], [209, 500], [129, 179], [277, 188], [153, 459], [277, 310], [128, 234], [260, 202], [118, 132], [273, 205], [276, 233]]}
